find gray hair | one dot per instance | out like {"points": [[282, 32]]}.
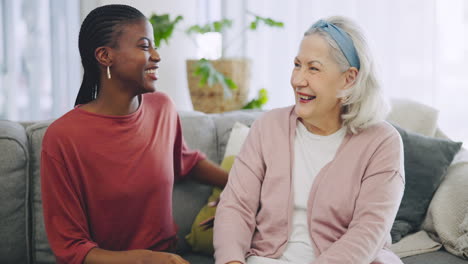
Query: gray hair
{"points": [[364, 103]]}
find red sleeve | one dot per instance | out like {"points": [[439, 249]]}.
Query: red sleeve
{"points": [[184, 158], [64, 217]]}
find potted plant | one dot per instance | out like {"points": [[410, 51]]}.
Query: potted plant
{"points": [[216, 85], [223, 84]]}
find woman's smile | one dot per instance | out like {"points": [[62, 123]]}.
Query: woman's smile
{"points": [[152, 72], [305, 98]]}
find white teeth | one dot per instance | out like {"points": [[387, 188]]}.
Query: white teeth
{"points": [[303, 97], [151, 71]]}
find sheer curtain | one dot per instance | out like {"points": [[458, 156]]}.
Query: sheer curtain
{"points": [[40, 65], [420, 47]]}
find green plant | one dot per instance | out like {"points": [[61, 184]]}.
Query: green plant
{"points": [[217, 26], [163, 27], [209, 75], [257, 103], [205, 70]]}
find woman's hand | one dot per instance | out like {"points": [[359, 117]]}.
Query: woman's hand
{"points": [[209, 223]]}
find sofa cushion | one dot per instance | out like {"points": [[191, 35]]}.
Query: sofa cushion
{"points": [[200, 238], [415, 244], [414, 116], [224, 123], [14, 242], [41, 251], [438, 257], [447, 216], [426, 162], [199, 133], [188, 197]]}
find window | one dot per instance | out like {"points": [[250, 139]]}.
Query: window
{"points": [[40, 62]]}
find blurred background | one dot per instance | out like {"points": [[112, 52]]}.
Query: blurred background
{"points": [[420, 47]]}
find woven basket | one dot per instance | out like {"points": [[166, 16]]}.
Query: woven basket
{"points": [[212, 99]]}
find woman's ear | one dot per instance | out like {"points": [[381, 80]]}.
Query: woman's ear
{"points": [[103, 56], [350, 77]]}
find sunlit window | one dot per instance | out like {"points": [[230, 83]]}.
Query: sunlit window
{"points": [[209, 45]]}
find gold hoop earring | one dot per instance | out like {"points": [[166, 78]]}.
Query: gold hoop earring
{"points": [[108, 73]]}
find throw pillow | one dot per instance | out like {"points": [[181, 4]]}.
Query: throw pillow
{"points": [[200, 239], [236, 139], [413, 116], [447, 216], [426, 162]]}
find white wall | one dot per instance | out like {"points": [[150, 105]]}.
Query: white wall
{"points": [[172, 71], [419, 46]]}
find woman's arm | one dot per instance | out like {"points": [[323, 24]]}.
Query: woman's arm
{"points": [[236, 212], [207, 172], [380, 195], [65, 221]]}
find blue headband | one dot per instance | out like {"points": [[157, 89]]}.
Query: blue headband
{"points": [[342, 39]]}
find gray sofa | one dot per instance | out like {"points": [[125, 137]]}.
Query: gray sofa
{"points": [[23, 238]]}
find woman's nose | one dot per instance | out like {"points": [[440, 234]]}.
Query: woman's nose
{"points": [[155, 55], [298, 79]]}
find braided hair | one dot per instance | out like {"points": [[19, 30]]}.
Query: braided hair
{"points": [[101, 27]]}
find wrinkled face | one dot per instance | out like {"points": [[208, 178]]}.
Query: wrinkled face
{"points": [[316, 80], [135, 60]]}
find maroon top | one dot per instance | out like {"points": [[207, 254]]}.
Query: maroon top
{"points": [[107, 180]]}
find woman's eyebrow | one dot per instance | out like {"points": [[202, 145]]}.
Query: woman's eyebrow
{"points": [[145, 38], [314, 61], [310, 62]]}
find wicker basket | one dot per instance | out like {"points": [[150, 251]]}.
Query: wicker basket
{"points": [[211, 99]]}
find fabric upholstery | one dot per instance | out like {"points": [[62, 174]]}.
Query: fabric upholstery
{"points": [[414, 116], [415, 244], [426, 162], [447, 216], [199, 133], [224, 123], [188, 197], [201, 240], [41, 251], [14, 247], [438, 257]]}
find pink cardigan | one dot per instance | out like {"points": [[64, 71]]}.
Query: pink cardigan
{"points": [[352, 205]]}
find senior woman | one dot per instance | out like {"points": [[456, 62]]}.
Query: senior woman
{"points": [[320, 181]]}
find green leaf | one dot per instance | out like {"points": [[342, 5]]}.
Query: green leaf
{"points": [[253, 25], [257, 103], [210, 76], [163, 27], [265, 20], [216, 26], [230, 83]]}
